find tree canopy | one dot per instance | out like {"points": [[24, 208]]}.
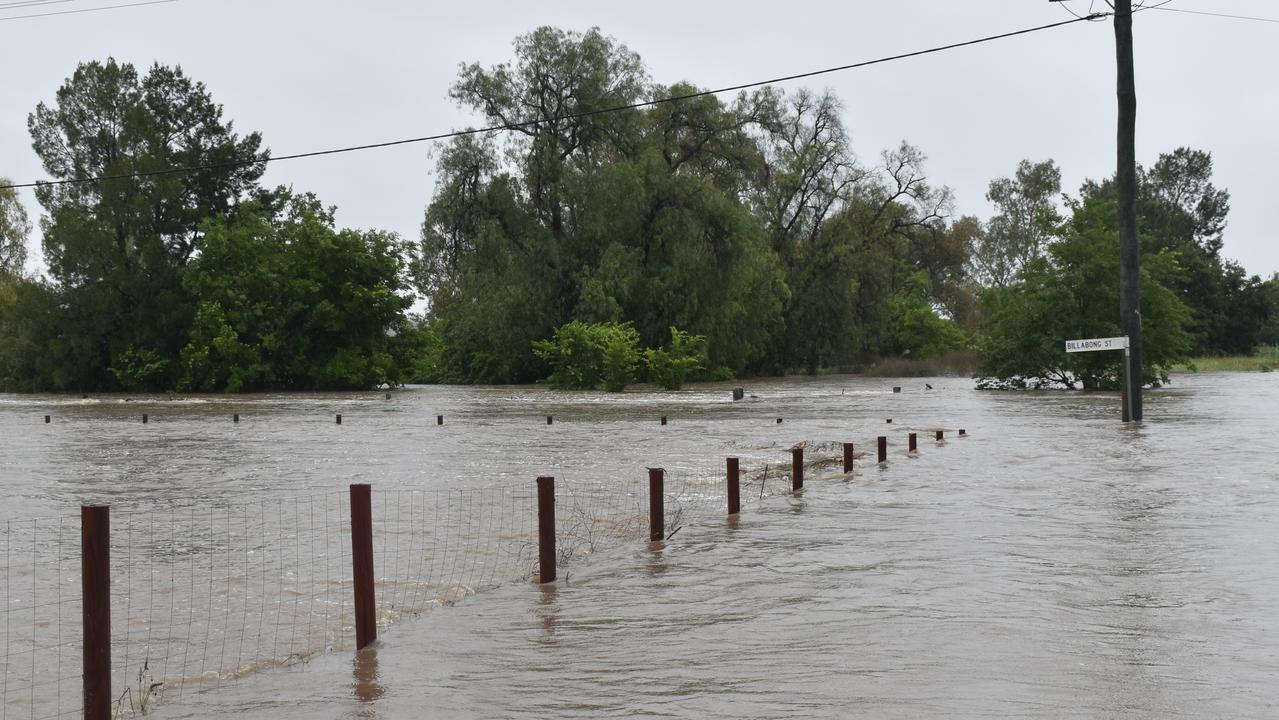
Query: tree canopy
{"points": [[1194, 301], [748, 222], [200, 279], [592, 244]]}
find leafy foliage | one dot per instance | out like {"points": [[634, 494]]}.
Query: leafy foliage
{"points": [[15, 227], [116, 249], [584, 356], [739, 234], [1182, 212], [1027, 214], [1073, 292], [287, 300], [748, 222], [671, 366]]}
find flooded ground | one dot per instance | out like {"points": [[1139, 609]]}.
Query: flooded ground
{"points": [[1052, 563]]}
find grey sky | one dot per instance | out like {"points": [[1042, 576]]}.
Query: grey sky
{"points": [[313, 74]]}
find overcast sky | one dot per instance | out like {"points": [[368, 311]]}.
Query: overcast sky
{"points": [[314, 74]]}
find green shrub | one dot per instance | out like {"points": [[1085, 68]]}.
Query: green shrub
{"points": [[671, 366], [584, 356], [143, 369]]}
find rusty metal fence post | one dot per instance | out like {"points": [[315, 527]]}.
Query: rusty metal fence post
{"points": [[546, 529], [95, 587], [734, 487], [362, 565], [914, 443], [796, 469], [656, 504]]}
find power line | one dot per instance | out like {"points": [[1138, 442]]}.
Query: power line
{"points": [[86, 10], [1220, 15], [7, 6], [566, 116]]}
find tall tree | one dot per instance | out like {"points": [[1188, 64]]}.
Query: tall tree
{"points": [[1182, 212], [1072, 291], [1026, 211], [286, 300], [748, 221], [115, 246], [15, 228], [547, 96]]}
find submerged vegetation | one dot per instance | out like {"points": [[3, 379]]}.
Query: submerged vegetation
{"points": [[696, 239]]}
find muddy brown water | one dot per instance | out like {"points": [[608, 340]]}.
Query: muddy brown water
{"points": [[1052, 563]]}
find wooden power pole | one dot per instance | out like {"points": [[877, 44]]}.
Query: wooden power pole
{"points": [[1126, 187]]}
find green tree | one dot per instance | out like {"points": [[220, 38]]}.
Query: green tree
{"points": [[1268, 336], [286, 300], [631, 216], [1073, 292], [919, 332], [15, 228], [1181, 211], [746, 221], [1027, 213], [115, 248]]}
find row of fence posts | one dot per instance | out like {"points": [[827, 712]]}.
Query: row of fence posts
{"points": [[439, 420], [95, 555]]}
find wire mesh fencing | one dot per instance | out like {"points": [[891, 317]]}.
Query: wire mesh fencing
{"points": [[201, 594], [42, 655]]}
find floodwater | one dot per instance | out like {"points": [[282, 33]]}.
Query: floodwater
{"points": [[1051, 563]]}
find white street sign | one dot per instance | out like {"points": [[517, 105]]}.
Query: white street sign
{"points": [[1095, 344]]}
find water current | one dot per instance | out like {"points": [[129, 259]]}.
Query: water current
{"points": [[1051, 563]]}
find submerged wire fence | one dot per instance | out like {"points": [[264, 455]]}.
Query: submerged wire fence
{"points": [[203, 594]]}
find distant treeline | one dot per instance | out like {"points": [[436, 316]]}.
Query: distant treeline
{"points": [[728, 236]]}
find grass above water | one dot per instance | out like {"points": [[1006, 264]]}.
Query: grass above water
{"points": [[1265, 360]]}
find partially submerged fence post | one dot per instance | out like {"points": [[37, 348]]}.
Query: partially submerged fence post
{"points": [[962, 432], [439, 419], [338, 419], [796, 468], [46, 419], [656, 504], [546, 529], [848, 458], [914, 443], [549, 419], [95, 588], [883, 449], [362, 565], [941, 434], [734, 487], [663, 419], [235, 417], [144, 418]]}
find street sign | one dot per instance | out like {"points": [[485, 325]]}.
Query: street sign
{"points": [[1095, 344]]}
